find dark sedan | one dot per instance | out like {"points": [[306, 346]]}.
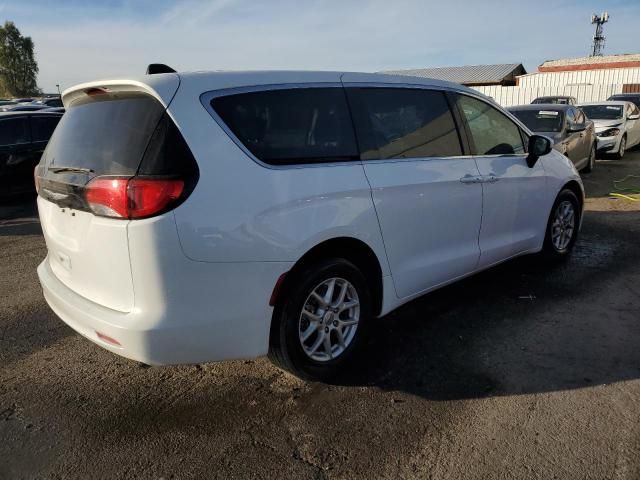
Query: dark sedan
{"points": [[626, 97], [556, 99], [23, 138], [572, 132]]}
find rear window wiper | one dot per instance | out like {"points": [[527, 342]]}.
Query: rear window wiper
{"points": [[70, 169]]}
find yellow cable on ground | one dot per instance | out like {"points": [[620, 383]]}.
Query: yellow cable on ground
{"points": [[627, 197], [631, 193]]}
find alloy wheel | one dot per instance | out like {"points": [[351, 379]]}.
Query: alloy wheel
{"points": [[563, 226], [329, 319]]}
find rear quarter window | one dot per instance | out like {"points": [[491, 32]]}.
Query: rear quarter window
{"points": [[291, 126]]}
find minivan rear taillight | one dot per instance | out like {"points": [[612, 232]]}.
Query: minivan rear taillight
{"points": [[132, 198]]}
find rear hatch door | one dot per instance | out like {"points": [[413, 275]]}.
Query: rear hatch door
{"points": [[104, 132]]}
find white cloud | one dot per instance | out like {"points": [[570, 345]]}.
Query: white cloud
{"points": [[83, 44]]}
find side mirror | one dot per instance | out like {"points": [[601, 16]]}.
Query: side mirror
{"points": [[538, 147], [633, 117], [577, 127]]}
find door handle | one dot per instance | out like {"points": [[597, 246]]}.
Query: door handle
{"points": [[491, 178], [471, 179]]}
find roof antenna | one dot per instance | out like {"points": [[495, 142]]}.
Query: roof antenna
{"points": [[154, 68]]}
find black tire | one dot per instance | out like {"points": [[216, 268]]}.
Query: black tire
{"points": [[592, 160], [622, 149], [285, 346], [551, 249]]}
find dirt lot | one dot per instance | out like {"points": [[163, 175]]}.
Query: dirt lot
{"points": [[520, 372]]}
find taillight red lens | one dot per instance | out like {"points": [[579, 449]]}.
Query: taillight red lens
{"points": [[108, 196], [149, 196], [131, 197]]}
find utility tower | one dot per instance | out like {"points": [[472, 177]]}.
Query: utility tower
{"points": [[598, 38]]}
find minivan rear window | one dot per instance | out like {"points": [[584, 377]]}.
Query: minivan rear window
{"points": [[291, 126], [105, 133]]}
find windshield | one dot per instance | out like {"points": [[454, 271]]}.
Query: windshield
{"points": [[541, 120], [603, 112]]}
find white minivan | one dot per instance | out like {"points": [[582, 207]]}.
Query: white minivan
{"points": [[195, 217]]}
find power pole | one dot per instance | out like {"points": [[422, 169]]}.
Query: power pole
{"points": [[598, 38]]}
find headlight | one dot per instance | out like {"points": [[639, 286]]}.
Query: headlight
{"points": [[612, 132]]}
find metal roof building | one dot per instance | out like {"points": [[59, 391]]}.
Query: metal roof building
{"points": [[472, 75], [626, 60]]}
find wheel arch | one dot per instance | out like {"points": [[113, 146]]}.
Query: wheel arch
{"points": [[349, 248], [575, 187]]}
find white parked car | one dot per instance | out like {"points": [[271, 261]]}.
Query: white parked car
{"points": [[617, 125], [197, 217]]}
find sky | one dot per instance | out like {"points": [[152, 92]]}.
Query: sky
{"points": [[78, 41]]}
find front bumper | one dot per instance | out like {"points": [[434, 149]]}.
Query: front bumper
{"points": [[608, 144]]}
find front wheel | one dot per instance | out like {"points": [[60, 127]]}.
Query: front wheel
{"points": [[319, 324], [623, 147], [562, 227], [592, 160]]}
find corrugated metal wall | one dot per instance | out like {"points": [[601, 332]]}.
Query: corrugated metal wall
{"points": [[508, 96], [608, 76], [585, 85]]}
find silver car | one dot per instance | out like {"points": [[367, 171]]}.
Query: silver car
{"points": [[617, 126]]}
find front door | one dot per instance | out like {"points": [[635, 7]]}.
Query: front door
{"points": [[513, 221], [425, 191]]}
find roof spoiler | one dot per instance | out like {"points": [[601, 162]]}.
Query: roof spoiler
{"points": [[154, 68]]}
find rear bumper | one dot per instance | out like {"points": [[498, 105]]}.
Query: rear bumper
{"points": [[88, 318], [181, 334]]}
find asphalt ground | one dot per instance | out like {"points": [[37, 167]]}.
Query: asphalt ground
{"points": [[523, 371]]}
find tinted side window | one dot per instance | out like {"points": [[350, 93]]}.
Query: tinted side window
{"points": [[492, 132], [571, 116], [283, 127], [404, 123], [42, 127], [14, 131]]}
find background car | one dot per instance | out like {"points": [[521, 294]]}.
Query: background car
{"points": [[24, 107], [572, 133], [49, 102], [556, 100], [626, 97], [23, 138], [617, 125]]}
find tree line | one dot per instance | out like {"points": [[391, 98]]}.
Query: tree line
{"points": [[18, 66]]}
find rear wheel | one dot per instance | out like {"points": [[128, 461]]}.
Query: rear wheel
{"points": [[623, 147], [320, 323], [592, 160], [562, 227]]}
